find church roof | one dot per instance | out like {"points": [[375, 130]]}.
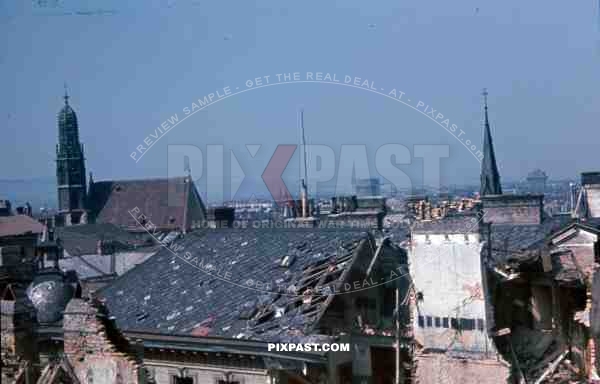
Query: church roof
{"points": [[166, 202]]}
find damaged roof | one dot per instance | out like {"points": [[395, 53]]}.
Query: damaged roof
{"points": [[174, 294], [511, 243]]}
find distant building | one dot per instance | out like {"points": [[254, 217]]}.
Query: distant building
{"points": [[536, 182], [368, 187], [70, 168], [167, 203], [5, 208]]}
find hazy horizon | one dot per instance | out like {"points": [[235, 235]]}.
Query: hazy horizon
{"points": [[131, 69]]}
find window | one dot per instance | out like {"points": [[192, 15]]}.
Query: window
{"points": [[466, 238], [467, 324], [421, 321], [427, 239], [480, 324], [183, 380], [389, 302], [437, 321], [447, 237], [429, 321], [445, 323], [366, 307], [454, 323]]}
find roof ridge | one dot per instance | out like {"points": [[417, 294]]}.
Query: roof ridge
{"points": [[141, 179]]}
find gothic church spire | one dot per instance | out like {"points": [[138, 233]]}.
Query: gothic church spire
{"points": [[490, 177]]}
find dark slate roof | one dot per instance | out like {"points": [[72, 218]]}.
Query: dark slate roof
{"points": [[168, 295], [512, 242], [448, 225], [19, 225], [83, 239], [168, 202]]}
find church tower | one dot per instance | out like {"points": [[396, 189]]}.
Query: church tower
{"points": [[490, 177], [70, 168]]}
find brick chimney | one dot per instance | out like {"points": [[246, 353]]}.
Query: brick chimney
{"points": [[513, 209]]}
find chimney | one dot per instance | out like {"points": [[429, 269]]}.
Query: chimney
{"points": [[590, 185], [513, 209], [221, 217], [113, 263]]}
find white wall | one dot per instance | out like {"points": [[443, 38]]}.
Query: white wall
{"points": [[447, 271]]}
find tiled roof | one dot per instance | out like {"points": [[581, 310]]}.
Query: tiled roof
{"points": [[168, 295], [173, 202], [511, 242], [19, 225]]}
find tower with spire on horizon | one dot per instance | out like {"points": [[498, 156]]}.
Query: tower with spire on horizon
{"points": [[70, 167], [490, 177]]}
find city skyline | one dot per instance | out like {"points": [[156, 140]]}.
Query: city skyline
{"points": [[118, 106]]}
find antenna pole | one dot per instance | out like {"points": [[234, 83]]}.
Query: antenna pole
{"points": [[305, 178]]}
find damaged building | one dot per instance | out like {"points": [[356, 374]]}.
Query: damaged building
{"points": [[448, 297], [541, 277], [208, 310]]}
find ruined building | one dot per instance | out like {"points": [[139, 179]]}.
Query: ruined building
{"points": [[449, 303], [205, 310]]}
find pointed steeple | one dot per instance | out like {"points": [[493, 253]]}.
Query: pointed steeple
{"points": [[490, 178], [66, 94]]}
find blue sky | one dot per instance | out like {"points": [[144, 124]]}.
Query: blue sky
{"points": [[131, 69]]}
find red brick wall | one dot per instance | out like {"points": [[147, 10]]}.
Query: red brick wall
{"points": [[94, 348]]}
